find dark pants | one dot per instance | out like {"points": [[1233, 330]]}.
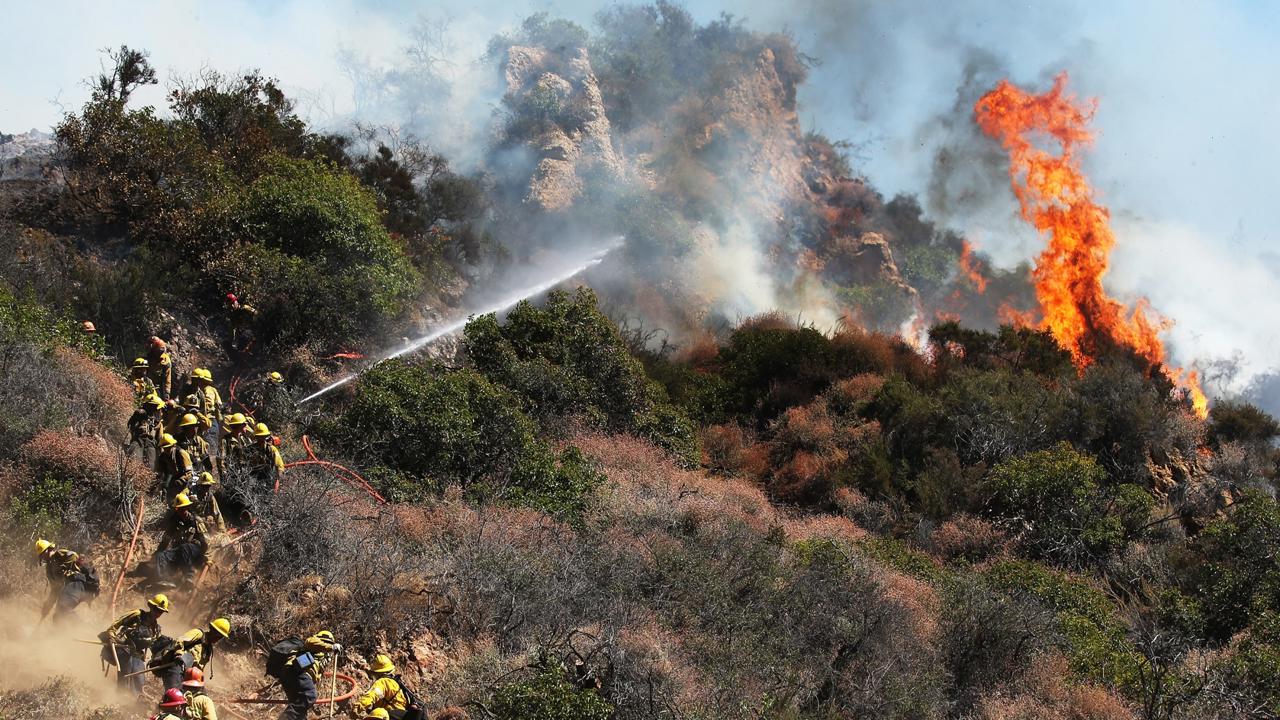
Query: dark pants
{"points": [[129, 663], [172, 676], [300, 689], [179, 560], [73, 593]]}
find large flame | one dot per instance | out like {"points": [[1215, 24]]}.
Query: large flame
{"points": [[1055, 197]]}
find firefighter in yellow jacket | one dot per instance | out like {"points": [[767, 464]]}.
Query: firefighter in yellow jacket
{"points": [[126, 642], [143, 387], [191, 651], [160, 367], [299, 682], [199, 705], [386, 691], [265, 462], [173, 466], [72, 580], [210, 398]]}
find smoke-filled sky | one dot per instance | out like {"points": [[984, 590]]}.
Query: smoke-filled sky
{"points": [[1185, 158]]}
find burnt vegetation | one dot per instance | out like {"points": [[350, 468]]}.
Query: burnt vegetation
{"points": [[767, 521]]}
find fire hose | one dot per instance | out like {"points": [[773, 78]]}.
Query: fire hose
{"points": [[346, 695], [348, 476], [137, 527]]}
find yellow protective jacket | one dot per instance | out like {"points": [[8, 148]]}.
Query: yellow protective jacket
{"points": [[200, 706], [174, 465], [142, 388], [61, 565], [233, 449], [161, 374], [265, 460], [384, 693], [321, 650], [198, 448], [211, 402], [194, 641], [135, 630]]}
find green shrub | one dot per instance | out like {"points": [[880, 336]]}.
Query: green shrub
{"points": [[1236, 575], [567, 360], [1056, 499], [23, 320], [1097, 646], [548, 696], [320, 264], [431, 428]]}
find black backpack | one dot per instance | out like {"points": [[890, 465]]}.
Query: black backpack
{"points": [[89, 578], [280, 655], [413, 709]]}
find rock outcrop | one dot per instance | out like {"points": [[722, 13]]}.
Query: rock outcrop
{"points": [[557, 96]]}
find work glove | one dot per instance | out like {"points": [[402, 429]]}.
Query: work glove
{"points": [[337, 647]]}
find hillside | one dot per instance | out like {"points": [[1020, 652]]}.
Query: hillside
{"points": [[788, 451]]}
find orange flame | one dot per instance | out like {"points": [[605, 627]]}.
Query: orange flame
{"points": [[969, 267], [1056, 198]]}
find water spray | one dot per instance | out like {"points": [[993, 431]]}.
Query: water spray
{"points": [[499, 305]]}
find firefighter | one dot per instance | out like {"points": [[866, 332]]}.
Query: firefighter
{"points": [[174, 468], [210, 399], [205, 502], [173, 706], [300, 676], [272, 399], [233, 446], [72, 580], [191, 651], [126, 642], [265, 462], [240, 316], [145, 429], [199, 705], [143, 387], [182, 525], [190, 439], [386, 693], [160, 367], [183, 549]]}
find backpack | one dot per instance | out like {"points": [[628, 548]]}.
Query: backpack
{"points": [[89, 578], [281, 653], [413, 709]]}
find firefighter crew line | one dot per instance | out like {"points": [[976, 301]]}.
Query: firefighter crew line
{"points": [[194, 445]]}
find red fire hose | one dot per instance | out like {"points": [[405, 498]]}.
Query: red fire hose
{"points": [[347, 695], [340, 472], [137, 527]]}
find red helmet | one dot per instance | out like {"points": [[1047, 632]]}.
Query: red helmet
{"points": [[173, 697], [231, 297], [157, 343], [194, 677]]}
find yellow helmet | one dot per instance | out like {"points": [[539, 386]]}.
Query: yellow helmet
{"points": [[188, 420], [141, 363], [203, 374], [167, 441], [325, 635], [191, 401], [235, 420], [182, 500], [154, 401], [275, 377], [262, 431], [222, 626], [207, 478], [382, 665], [378, 714], [43, 545], [159, 601]]}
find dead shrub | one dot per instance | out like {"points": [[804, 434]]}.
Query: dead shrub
{"points": [[967, 537], [723, 448], [1046, 692]]}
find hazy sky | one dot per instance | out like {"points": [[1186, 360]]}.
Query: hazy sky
{"points": [[1187, 92]]}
